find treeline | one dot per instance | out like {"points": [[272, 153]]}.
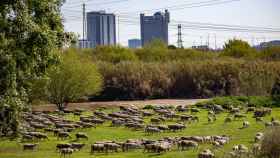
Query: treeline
{"points": [[190, 79]]}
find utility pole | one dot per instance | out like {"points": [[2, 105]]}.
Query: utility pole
{"points": [[180, 41], [84, 24]]}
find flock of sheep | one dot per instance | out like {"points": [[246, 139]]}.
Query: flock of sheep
{"points": [[39, 125]]}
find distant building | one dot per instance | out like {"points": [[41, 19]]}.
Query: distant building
{"points": [[134, 43], [101, 28], [154, 27]]}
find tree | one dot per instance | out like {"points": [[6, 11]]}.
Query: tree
{"points": [[238, 48], [76, 76], [31, 32]]}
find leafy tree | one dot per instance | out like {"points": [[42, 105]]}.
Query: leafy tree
{"points": [[31, 31], [76, 76], [238, 48]]}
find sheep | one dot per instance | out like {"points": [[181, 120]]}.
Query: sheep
{"points": [[77, 146], [259, 137], [111, 147], [184, 144], [63, 135], [246, 124], [63, 145], [152, 130], [81, 135], [155, 120], [176, 127], [97, 148], [66, 151], [29, 146], [132, 145], [206, 154]]}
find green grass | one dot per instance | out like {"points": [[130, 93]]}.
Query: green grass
{"points": [[13, 148]]}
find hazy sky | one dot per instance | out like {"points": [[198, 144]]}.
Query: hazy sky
{"points": [[257, 13]]}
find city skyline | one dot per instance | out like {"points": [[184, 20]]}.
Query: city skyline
{"points": [[232, 13]]}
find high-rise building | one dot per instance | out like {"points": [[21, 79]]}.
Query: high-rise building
{"points": [[134, 43], [154, 27], [101, 28]]}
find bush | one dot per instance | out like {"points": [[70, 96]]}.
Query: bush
{"points": [[271, 143], [193, 79], [72, 79], [238, 48], [275, 93]]}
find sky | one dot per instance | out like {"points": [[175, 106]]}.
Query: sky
{"points": [[253, 13]]}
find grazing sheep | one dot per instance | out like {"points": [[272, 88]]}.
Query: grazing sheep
{"points": [[155, 120], [128, 146], [81, 136], [111, 147], [246, 124], [66, 151], [206, 154], [97, 148], [29, 146], [77, 146], [63, 145], [185, 144], [63, 135], [259, 137], [152, 130], [176, 127]]}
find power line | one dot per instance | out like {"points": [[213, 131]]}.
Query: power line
{"points": [[185, 6]]}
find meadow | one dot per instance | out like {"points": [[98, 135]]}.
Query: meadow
{"points": [[47, 148]]}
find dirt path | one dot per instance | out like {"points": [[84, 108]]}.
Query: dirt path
{"points": [[94, 105]]}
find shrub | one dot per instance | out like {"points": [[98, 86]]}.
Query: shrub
{"points": [[275, 93], [271, 143], [238, 48], [72, 79], [113, 54]]}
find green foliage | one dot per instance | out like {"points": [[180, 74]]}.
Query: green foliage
{"points": [[30, 34], [113, 54], [192, 79], [76, 76], [275, 93], [270, 53], [238, 48], [270, 145], [156, 50]]}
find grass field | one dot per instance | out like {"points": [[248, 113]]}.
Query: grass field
{"points": [[13, 148]]}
